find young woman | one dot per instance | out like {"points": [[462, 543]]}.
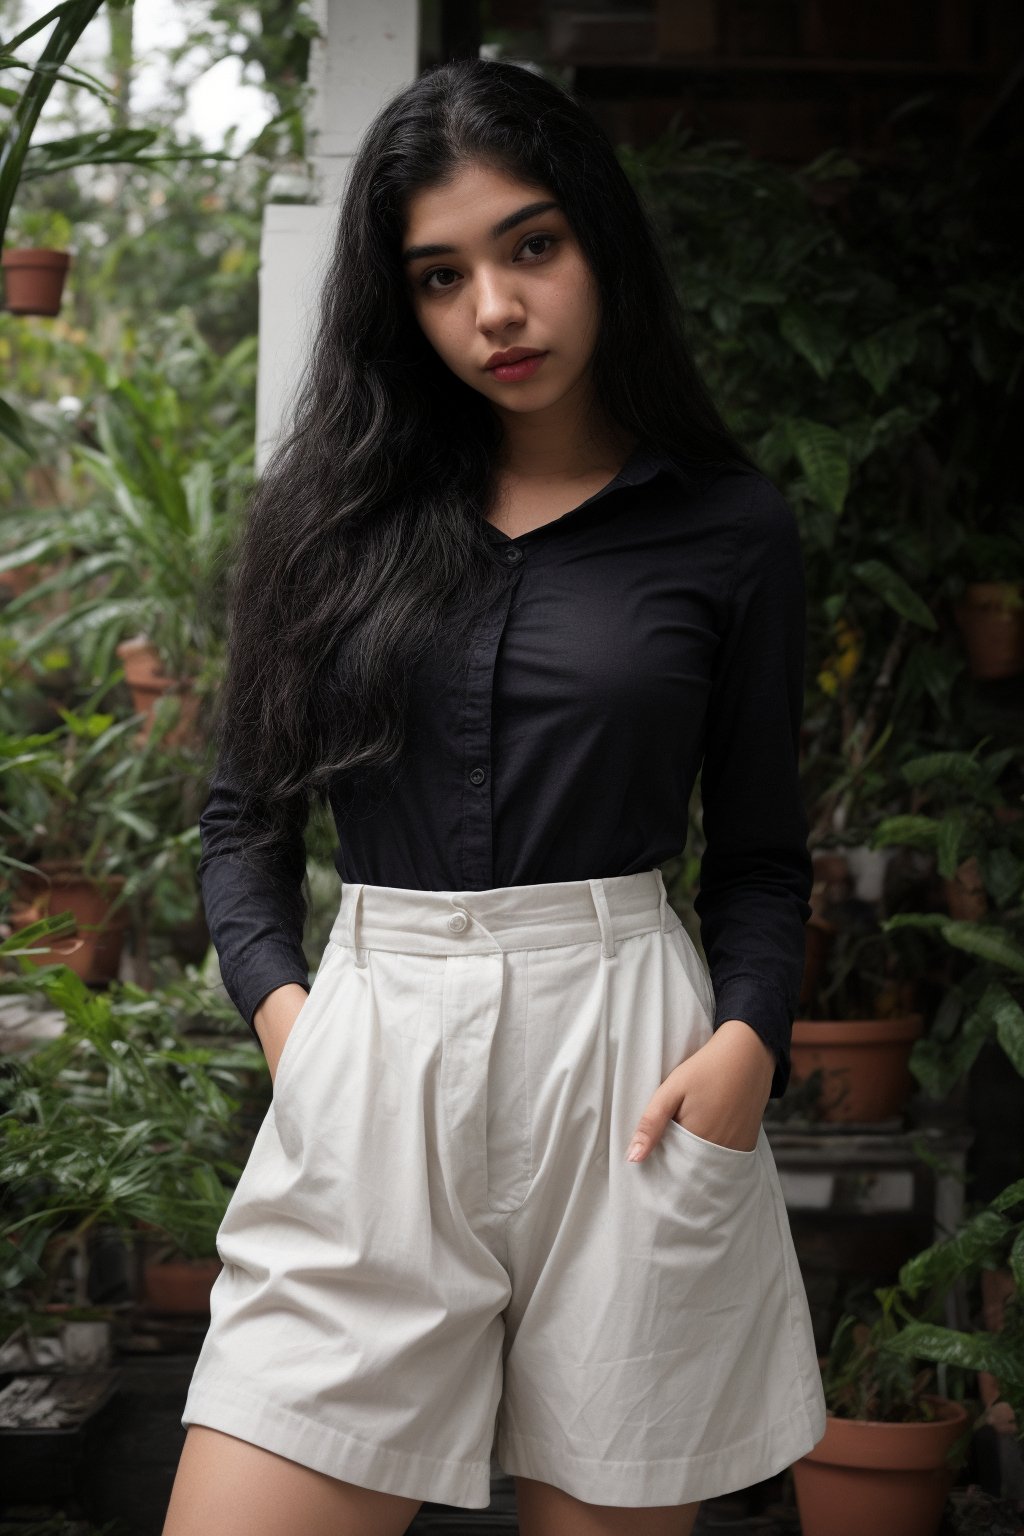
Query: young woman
{"points": [[508, 585]]}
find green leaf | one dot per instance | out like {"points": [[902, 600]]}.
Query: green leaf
{"points": [[1017, 1260], [1009, 1019], [880, 357], [12, 428], [937, 920], [979, 1241], [953, 830], [959, 768], [814, 335], [822, 455], [109, 146], [907, 832], [986, 942], [938, 1066], [144, 830], [890, 586], [968, 1351], [1004, 875], [1007, 1198]]}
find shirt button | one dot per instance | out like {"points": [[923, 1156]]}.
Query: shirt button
{"points": [[513, 554], [477, 775], [457, 922]]}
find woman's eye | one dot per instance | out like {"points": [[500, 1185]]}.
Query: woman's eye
{"points": [[425, 280]]}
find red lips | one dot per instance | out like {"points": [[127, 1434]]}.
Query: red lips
{"points": [[513, 355]]}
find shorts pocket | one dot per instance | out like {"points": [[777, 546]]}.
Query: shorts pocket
{"points": [[714, 1149], [305, 1020]]}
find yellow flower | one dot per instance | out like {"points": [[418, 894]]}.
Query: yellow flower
{"points": [[849, 653], [844, 661], [232, 259]]}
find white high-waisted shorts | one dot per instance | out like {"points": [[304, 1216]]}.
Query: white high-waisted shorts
{"points": [[437, 1254]]}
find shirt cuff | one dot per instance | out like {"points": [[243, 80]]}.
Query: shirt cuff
{"points": [[274, 969], [766, 1010]]}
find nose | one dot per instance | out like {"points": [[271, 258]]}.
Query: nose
{"points": [[497, 302]]}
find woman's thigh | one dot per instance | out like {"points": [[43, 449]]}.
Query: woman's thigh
{"points": [[543, 1510], [227, 1485]]}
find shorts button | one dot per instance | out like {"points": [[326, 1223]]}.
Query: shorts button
{"points": [[457, 922]]}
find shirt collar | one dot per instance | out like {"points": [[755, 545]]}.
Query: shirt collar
{"points": [[645, 462]]}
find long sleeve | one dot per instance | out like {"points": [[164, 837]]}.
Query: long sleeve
{"points": [[254, 905], [756, 872]]}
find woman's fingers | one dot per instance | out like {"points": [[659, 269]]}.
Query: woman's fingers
{"points": [[653, 1121]]}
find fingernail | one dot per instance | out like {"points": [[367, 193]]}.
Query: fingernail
{"points": [[636, 1151]]}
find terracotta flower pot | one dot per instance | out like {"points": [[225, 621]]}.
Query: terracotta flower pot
{"points": [[991, 619], [180, 1285], [867, 1475], [863, 1062], [148, 683], [93, 951], [834, 869], [34, 279]]}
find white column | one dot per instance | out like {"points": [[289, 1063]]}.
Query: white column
{"points": [[369, 50]]}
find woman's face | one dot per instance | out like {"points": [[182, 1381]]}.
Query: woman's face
{"points": [[526, 286]]}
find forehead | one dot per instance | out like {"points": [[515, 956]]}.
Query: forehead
{"points": [[473, 198]]}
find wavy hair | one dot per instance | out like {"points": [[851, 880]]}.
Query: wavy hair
{"points": [[363, 540]]}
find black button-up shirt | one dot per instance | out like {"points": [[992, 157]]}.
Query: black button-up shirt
{"points": [[655, 630]]}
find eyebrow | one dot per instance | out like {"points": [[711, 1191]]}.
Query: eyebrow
{"points": [[415, 252]]}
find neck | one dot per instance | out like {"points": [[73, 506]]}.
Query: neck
{"points": [[560, 444]]}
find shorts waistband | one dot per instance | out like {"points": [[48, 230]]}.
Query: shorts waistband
{"points": [[603, 910]]}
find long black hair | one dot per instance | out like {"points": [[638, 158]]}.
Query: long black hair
{"points": [[363, 542]]}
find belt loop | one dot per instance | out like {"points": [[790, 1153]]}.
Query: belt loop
{"points": [[361, 955], [604, 917], [662, 902]]}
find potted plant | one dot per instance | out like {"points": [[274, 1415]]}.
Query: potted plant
{"points": [[863, 1021], [988, 1248], [149, 683], [119, 1121], [35, 262], [891, 1447], [984, 986], [831, 886], [179, 1278], [148, 581], [859, 1011], [989, 610], [957, 818], [22, 161], [80, 821]]}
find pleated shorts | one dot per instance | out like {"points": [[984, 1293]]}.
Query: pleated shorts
{"points": [[437, 1254]]}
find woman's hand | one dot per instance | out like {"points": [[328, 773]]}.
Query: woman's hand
{"points": [[274, 1018], [719, 1092]]}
